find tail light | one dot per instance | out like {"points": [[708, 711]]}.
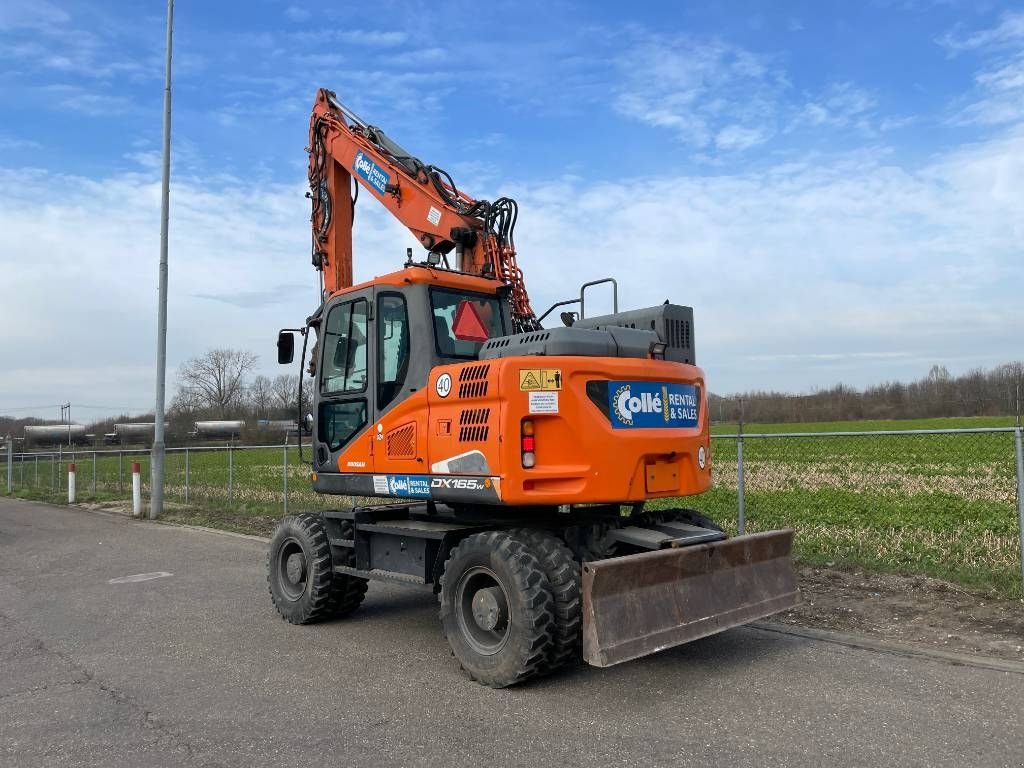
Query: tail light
{"points": [[528, 444]]}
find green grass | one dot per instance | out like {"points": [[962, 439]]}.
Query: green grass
{"points": [[936, 505], [961, 422]]}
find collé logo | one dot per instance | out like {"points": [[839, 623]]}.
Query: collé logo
{"points": [[647, 404], [377, 177], [626, 404]]}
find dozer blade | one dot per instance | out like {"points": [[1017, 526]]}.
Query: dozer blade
{"points": [[639, 604]]}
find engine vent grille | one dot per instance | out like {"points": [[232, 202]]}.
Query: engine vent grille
{"points": [[473, 427], [473, 381], [401, 442], [677, 333]]}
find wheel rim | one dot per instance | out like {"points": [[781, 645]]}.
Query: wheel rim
{"points": [[292, 569], [481, 608]]}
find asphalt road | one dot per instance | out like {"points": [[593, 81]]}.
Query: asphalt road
{"points": [[195, 669]]}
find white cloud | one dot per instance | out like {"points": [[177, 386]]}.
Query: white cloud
{"points": [[708, 92], [999, 97], [296, 14], [1008, 33], [736, 137], [30, 14], [849, 268], [835, 259], [374, 37], [79, 265], [841, 105]]}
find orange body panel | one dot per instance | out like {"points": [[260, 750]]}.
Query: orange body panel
{"points": [[416, 275], [580, 457]]}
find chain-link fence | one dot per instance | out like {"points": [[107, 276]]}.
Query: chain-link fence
{"points": [[939, 502]]}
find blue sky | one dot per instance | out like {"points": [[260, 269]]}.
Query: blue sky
{"points": [[837, 188]]}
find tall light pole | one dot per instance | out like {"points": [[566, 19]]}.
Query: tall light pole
{"points": [[156, 505]]}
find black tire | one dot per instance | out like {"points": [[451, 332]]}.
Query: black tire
{"points": [[300, 572], [500, 570], [563, 572]]}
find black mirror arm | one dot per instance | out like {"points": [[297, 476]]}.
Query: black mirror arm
{"points": [[298, 405]]}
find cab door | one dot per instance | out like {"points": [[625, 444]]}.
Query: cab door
{"points": [[345, 385]]}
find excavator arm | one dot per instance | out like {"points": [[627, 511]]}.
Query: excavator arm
{"points": [[422, 197]]}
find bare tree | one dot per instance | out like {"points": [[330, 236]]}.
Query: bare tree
{"points": [[261, 396], [216, 379], [286, 392], [185, 402]]}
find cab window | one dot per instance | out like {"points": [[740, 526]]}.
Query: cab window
{"points": [[463, 321], [339, 422], [344, 349], [392, 347]]}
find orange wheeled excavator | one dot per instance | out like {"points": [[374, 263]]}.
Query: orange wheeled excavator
{"points": [[523, 472]]}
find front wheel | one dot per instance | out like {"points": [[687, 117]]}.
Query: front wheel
{"points": [[497, 609], [300, 573]]}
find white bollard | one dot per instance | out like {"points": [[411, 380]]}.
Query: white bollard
{"points": [[71, 483], [136, 490]]}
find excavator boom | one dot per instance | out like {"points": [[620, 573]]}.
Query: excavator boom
{"points": [[343, 147]]}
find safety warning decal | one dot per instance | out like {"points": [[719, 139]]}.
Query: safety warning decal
{"points": [[540, 379], [543, 402], [434, 216]]}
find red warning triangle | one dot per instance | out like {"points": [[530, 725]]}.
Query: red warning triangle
{"points": [[468, 326]]}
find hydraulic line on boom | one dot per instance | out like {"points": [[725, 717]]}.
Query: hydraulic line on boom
{"points": [[423, 197]]}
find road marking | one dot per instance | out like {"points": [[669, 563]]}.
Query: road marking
{"points": [[134, 579]]}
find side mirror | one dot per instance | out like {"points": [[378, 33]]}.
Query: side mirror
{"points": [[285, 347], [307, 422]]}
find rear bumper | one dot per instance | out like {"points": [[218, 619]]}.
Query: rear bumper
{"points": [[640, 604]]}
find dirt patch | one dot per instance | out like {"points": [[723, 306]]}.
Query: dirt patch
{"points": [[909, 609]]}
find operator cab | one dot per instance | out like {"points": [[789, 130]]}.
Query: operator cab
{"points": [[377, 342]]}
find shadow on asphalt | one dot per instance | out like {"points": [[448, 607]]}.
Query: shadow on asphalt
{"points": [[733, 650]]}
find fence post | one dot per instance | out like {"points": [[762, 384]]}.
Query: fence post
{"points": [[71, 483], [10, 464], [94, 473], [741, 517], [21, 470], [1019, 446], [35, 473], [231, 474], [136, 489], [60, 460], [284, 475], [120, 472], [186, 475], [53, 474]]}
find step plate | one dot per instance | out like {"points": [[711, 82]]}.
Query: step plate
{"points": [[640, 604]]}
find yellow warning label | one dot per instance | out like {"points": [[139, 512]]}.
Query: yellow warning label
{"points": [[534, 379]]}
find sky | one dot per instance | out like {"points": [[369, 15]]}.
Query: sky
{"points": [[836, 188]]}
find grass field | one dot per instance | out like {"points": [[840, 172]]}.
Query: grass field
{"points": [[937, 505], [969, 422]]}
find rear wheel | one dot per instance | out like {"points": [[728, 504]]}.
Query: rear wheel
{"points": [[563, 572], [497, 611], [300, 572]]}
